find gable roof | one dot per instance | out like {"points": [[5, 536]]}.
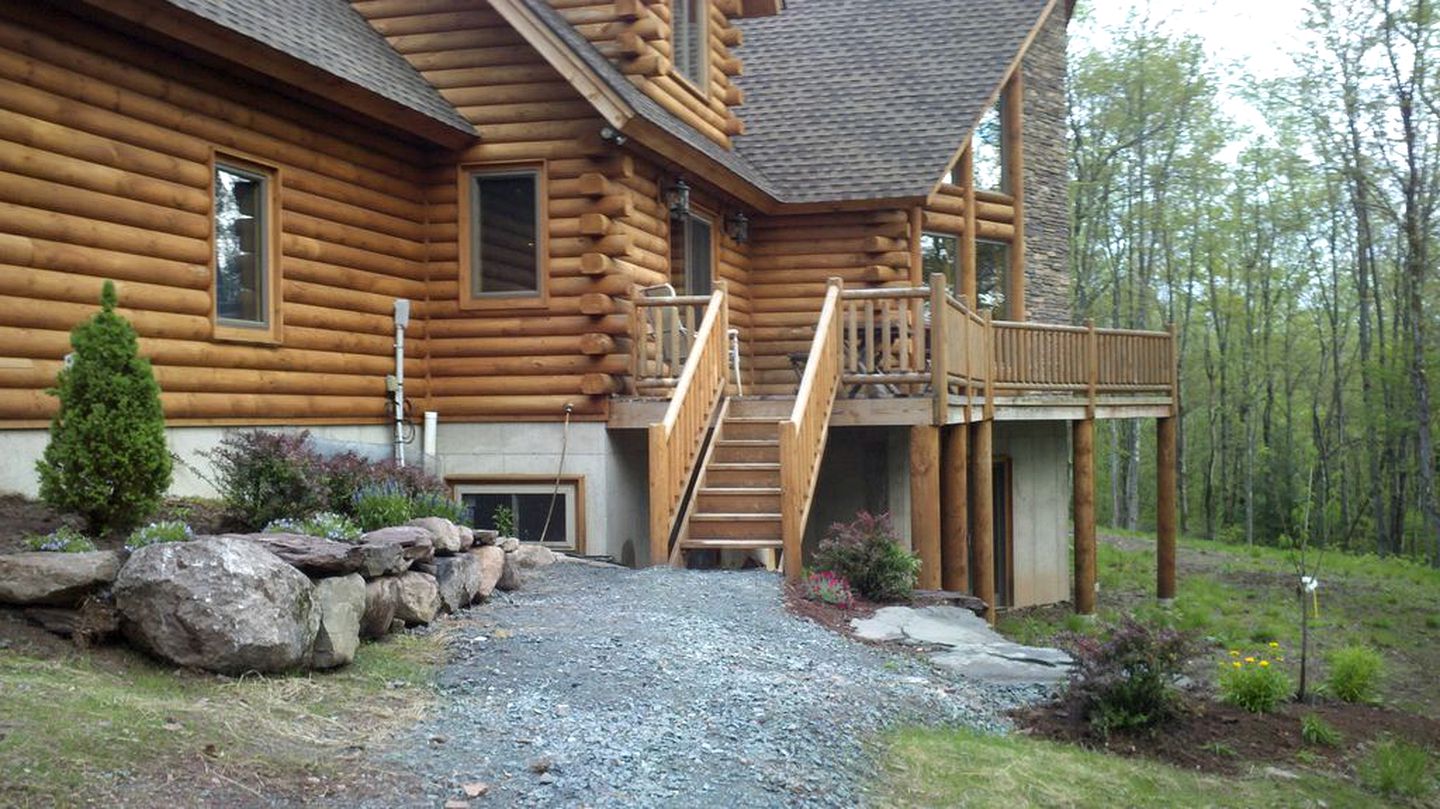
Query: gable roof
{"points": [[847, 100], [326, 35]]}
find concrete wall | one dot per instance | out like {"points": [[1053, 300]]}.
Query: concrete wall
{"points": [[865, 468], [1039, 453]]}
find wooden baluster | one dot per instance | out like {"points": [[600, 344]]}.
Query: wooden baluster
{"points": [[852, 317], [868, 357]]}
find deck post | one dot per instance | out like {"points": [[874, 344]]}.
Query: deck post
{"points": [[982, 515], [955, 509], [1083, 446], [1165, 509], [925, 502]]}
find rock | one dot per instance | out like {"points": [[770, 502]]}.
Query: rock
{"points": [[458, 579], [46, 578], [319, 557], [425, 567], [218, 604], [94, 620], [509, 580], [382, 597], [965, 644], [534, 556], [419, 598], [475, 789], [492, 565], [55, 620], [446, 534], [509, 544], [485, 536], [415, 543], [397, 625], [341, 601]]}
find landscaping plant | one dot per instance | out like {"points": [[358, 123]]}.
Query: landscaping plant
{"points": [[1253, 682], [430, 504], [381, 505], [1355, 674], [62, 540], [324, 524], [1396, 767], [504, 519], [1126, 678], [828, 587], [1316, 731], [106, 460], [865, 553], [264, 476], [163, 531]]}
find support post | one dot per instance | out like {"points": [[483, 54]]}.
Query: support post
{"points": [[1083, 446], [955, 509], [1165, 509], [982, 515], [925, 502]]}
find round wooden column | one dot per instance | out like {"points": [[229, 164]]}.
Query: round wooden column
{"points": [[925, 502], [955, 509], [1083, 447], [1165, 469], [982, 515]]}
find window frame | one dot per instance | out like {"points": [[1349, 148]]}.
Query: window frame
{"points": [[572, 487], [700, 82], [270, 330], [710, 221], [466, 209]]}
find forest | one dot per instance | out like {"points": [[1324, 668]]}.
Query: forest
{"points": [[1297, 261]]}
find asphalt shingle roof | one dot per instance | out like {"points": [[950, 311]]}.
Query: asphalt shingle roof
{"points": [[854, 99], [331, 36]]}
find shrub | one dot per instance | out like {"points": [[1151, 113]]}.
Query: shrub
{"points": [[866, 554], [504, 519], [106, 460], [827, 587], [429, 504], [163, 531], [324, 524], [381, 505], [1397, 768], [1316, 731], [62, 540], [1253, 683], [1126, 679], [1355, 674], [264, 476]]}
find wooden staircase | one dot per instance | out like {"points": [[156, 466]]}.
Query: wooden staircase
{"points": [[736, 505]]}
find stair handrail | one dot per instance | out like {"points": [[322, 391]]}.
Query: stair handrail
{"points": [[675, 440], [803, 434]]}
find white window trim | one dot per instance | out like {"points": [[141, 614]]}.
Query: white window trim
{"points": [[569, 502]]}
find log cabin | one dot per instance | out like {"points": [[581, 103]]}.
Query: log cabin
{"points": [[678, 281]]}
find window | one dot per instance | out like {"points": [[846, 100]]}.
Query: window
{"points": [[246, 250], [692, 254], [502, 236], [992, 273], [530, 505], [989, 145], [688, 19], [941, 253]]}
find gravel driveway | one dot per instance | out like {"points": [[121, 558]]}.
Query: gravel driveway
{"points": [[599, 686]]}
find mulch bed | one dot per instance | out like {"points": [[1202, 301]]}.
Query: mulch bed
{"points": [[21, 517], [1214, 737]]}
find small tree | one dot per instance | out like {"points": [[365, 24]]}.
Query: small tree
{"points": [[106, 459]]}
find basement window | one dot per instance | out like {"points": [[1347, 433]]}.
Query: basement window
{"points": [[692, 254], [247, 262], [688, 22], [530, 505], [502, 236]]}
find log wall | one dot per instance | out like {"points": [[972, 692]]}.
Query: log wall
{"points": [[105, 150]]}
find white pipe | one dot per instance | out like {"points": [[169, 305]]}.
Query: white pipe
{"points": [[735, 360], [402, 319], [432, 420]]}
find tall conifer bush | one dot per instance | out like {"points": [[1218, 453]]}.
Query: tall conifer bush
{"points": [[107, 459]]}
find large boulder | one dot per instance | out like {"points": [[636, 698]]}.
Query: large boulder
{"points": [[492, 563], [382, 597], [220, 604], [458, 579], [319, 557], [419, 598], [416, 544], [530, 556], [53, 579], [341, 601], [449, 538]]}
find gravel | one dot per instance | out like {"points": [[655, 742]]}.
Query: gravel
{"points": [[603, 687]]}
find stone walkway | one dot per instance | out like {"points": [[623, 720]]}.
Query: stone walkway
{"points": [[964, 643]]}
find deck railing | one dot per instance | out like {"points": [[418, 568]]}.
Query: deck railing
{"points": [[803, 434], [1081, 359], [676, 440], [885, 339], [665, 332]]}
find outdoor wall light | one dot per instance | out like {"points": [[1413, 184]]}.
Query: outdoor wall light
{"points": [[679, 199], [611, 135], [737, 227]]}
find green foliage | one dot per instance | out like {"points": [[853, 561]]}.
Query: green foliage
{"points": [[1355, 674], [324, 524], [430, 504], [1396, 767], [827, 587], [1254, 682], [264, 476], [1432, 622], [381, 506], [1318, 732], [1126, 679], [106, 460], [867, 555], [504, 519], [163, 531], [62, 540]]}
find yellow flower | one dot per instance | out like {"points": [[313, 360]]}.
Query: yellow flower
{"points": [[1234, 652], [1249, 660], [1264, 662], [1274, 645], [1236, 664]]}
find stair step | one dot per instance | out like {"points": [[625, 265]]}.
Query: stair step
{"points": [[752, 490], [747, 499], [751, 429], [722, 475], [775, 408], [733, 543], [720, 525], [745, 450]]}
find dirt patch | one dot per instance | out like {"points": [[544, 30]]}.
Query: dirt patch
{"points": [[21, 517], [837, 617], [1219, 738]]}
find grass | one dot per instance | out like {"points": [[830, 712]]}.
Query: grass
{"points": [[1398, 768], [83, 722], [930, 767]]}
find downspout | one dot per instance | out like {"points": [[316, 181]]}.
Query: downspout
{"points": [[402, 319]]}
